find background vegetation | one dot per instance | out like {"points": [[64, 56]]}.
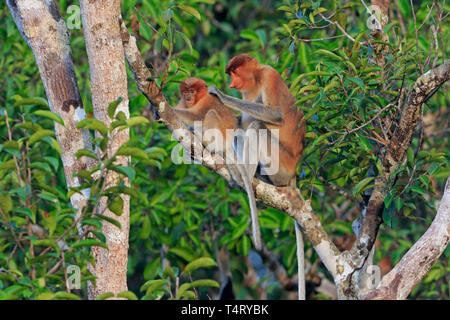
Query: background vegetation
{"points": [[187, 212]]}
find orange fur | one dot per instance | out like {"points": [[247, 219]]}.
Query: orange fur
{"points": [[200, 103], [262, 83]]}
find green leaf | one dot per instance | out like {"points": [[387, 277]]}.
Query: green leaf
{"points": [[118, 123], [168, 273], [8, 165], [104, 296], [85, 153], [11, 144], [199, 263], [245, 244], [410, 156], [28, 126], [93, 124], [183, 253], [183, 288], [128, 295], [190, 10], [188, 295], [204, 283], [417, 189], [240, 229], [153, 285], [113, 106], [120, 189], [145, 230], [186, 40], [53, 161], [29, 101], [38, 135], [62, 295], [51, 115], [398, 204], [358, 81], [128, 171], [46, 243], [45, 296], [249, 34], [110, 220], [424, 179], [89, 243], [388, 200], [137, 120], [362, 185], [6, 203], [40, 166], [25, 211], [85, 174], [286, 9], [328, 54], [131, 151], [116, 205], [48, 196]]}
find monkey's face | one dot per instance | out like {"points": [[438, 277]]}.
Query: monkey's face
{"points": [[236, 81], [188, 96], [242, 79]]}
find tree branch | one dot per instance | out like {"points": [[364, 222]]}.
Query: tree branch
{"points": [[417, 262], [395, 155]]}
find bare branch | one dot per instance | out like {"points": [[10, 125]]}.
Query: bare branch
{"points": [[395, 155], [417, 262]]}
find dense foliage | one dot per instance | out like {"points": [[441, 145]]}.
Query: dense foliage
{"points": [[185, 212]]}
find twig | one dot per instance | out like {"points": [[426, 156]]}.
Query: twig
{"points": [[368, 122], [319, 39], [338, 26]]}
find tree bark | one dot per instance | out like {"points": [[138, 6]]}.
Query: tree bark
{"points": [[108, 83], [45, 31]]}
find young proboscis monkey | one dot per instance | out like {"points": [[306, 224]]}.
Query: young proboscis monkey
{"points": [[198, 105], [267, 104]]}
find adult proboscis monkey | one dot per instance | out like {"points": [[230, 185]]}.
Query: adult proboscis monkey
{"points": [[268, 104]]}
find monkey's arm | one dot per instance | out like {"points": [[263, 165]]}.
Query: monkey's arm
{"points": [[256, 110]]}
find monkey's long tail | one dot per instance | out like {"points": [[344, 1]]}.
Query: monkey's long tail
{"points": [[256, 232], [300, 262]]}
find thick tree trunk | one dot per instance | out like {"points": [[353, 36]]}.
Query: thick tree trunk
{"points": [[46, 33], [108, 82]]}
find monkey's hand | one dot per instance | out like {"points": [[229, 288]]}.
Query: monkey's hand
{"points": [[215, 91]]}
